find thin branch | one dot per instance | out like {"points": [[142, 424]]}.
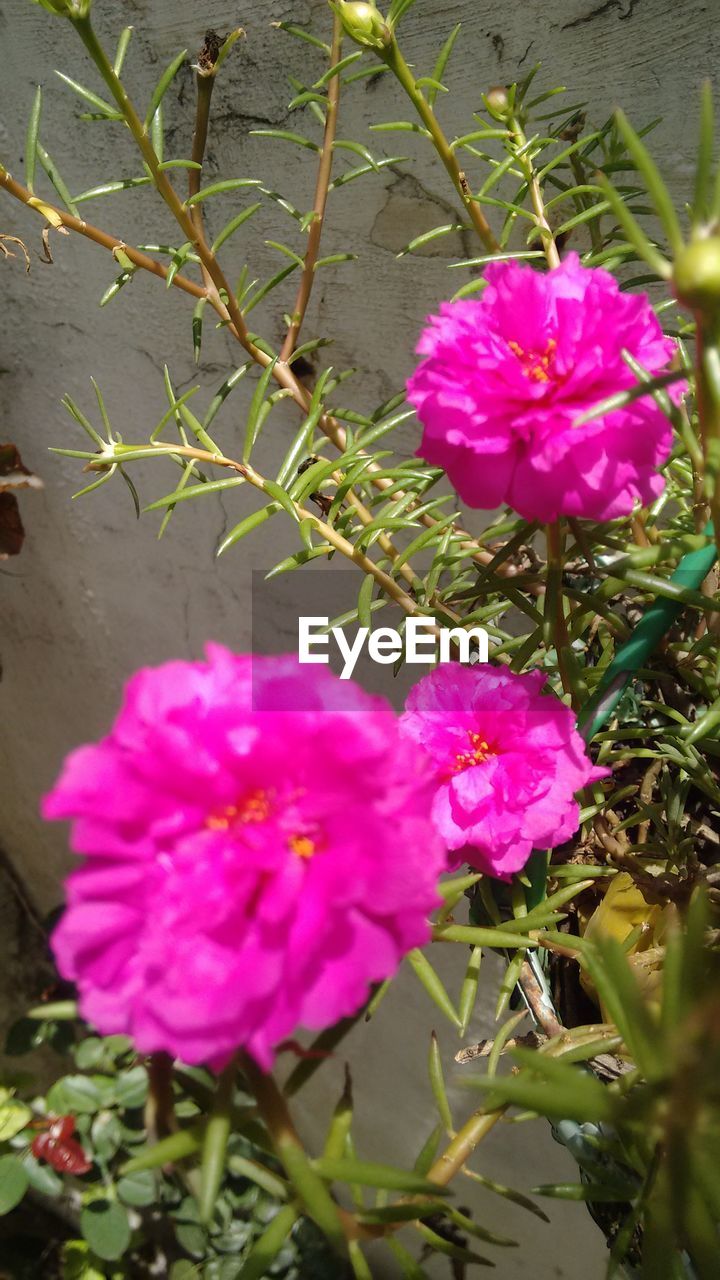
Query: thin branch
{"points": [[58, 217], [321, 193]]}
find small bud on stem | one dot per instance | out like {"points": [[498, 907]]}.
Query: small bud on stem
{"points": [[364, 23]]}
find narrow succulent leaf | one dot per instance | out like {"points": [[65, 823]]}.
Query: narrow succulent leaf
{"points": [[437, 1084], [196, 491], [104, 108], [458, 1252], [632, 230], [311, 1188], [411, 1270], [441, 64], [31, 140], [351, 174], [231, 227], [429, 979], [220, 188], [178, 1146], [337, 69], [163, 85], [276, 491], [253, 418], [247, 525], [285, 135], [268, 287], [109, 188], [215, 1144], [469, 989], [301, 34], [122, 48], [341, 1123], [56, 179], [261, 1257], [358, 1261], [434, 234], [656, 188], [383, 1176]]}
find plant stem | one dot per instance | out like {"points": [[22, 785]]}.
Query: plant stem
{"points": [[536, 196], [708, 396], [205, 83], [322, 187], [103, 238], [397, 64], [555, 633], [309, 1185], [193, 231]]}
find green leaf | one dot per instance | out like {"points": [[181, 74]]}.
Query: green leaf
{"points": [[178, 1146], [266, 1249], [80, 1095], [231, 227], [656, 188], [223, 392], [163, 85], [55, 177], [425, 973], [196, 491], [219, 188], [14, 1115], [31, 141], [368, 1174], [351, 174], [437, 1083], [108, 188], [468, 991], [633, 232], [251, 522], [215, 1143], [137, 1189], [110, 113], [441, 64], [42, 1178], [254, 420], [131, 1088], [13, 1183], [105, 1226], [284, 135], [122, 48]]}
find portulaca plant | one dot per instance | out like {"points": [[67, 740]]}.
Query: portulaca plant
{"points": [[261, 845]]}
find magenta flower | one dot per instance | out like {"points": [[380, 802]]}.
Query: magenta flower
{"points": [[508, 761], [248, 867], [507, 378]]}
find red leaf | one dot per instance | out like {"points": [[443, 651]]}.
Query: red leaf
{"points": [[59, 1149]]}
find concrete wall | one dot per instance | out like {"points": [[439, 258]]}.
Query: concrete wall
{"points": [[93, 594]]}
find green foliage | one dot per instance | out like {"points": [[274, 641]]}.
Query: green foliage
{"points": [[622, 617]]}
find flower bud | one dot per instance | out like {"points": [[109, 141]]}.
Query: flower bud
{"points": [[364, 23], [497, 102], [696, 275], [66, 8]]}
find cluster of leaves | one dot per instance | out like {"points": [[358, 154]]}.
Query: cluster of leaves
{"points": [[77, 1157], [531, 167]]}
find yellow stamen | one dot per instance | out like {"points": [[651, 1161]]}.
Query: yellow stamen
{"points": [[255, 807], [303, 846], [479, 754]]}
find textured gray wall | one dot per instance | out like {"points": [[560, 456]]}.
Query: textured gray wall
{"points": [[94, 594]]}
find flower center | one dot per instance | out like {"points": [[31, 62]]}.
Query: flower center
{"points": [[302, 846], [536, 364], [478, 753], [254, 807]]}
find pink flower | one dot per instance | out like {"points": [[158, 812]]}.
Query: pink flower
{"points": [[507, 377], [508, 761], [248, 867]]}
